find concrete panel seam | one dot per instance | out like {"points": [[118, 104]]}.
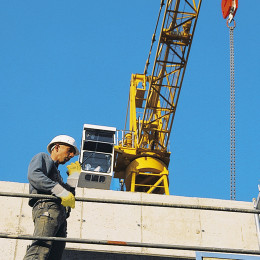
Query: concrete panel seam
{"points": [[19, 224], [81, 216]]}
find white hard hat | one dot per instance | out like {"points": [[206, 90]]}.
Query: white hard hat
{"points": [[63, 139]]}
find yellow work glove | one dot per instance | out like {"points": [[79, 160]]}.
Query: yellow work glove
{"points": [[74, 168], [68, 201], [67, 198]]}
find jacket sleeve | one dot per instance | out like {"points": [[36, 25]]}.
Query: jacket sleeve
{"points": [[37, 174]]}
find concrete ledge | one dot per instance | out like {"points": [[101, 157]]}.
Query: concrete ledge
{"points": [[131, 223]]}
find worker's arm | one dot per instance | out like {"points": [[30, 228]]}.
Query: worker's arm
{"points": [[67, 198], [39, 169], [74, 170]]}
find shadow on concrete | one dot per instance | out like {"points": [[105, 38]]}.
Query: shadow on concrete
{"points": [[80, 255]]}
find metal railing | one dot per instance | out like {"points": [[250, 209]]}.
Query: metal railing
{"points": [[134, 244], [125, 138], [137, 203]]}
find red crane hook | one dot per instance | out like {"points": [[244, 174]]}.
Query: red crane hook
{"points": [[229, 8]]}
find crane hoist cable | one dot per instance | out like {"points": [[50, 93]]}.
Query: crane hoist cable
{"points": [[153, 38], [150, 51], [229, 8], [232, 118]]}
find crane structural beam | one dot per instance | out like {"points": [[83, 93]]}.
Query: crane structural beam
{"points": [[153, 101]]}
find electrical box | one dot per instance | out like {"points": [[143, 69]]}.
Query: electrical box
{"points": [[96, 156]]}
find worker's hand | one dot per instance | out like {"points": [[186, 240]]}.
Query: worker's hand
{"points": [[74, 168], [68, 201], [67, 198]]}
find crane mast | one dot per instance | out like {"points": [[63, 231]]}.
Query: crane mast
{"points": [[142, 156]]}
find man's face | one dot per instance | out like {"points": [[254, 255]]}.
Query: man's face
{"points": [[65, 153]]}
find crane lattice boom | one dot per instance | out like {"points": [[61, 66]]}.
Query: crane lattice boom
{"points": [[142, 155], [168, 70]]}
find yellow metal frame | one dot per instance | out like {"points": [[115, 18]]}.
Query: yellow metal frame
{"points": [[147, 174], [153, 101]]}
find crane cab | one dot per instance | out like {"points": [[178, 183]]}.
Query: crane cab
{"points": [[96, 156]]}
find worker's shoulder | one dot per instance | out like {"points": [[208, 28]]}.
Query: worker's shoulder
{"points": [[42, 156]]}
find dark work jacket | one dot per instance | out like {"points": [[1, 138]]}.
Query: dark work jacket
{"points": [[43, 175]]}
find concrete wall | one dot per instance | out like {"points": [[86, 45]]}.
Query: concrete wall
{"points": [[146, 224]]}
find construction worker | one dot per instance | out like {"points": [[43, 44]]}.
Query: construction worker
{"points": [[49, 215]]}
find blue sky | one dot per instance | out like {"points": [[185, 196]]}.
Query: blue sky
{"points": [[67, 63]]}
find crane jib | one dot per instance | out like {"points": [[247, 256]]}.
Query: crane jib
{"points": [[143, 155]]}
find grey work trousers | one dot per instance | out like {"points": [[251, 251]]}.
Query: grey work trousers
{"points": [[49, 221]]}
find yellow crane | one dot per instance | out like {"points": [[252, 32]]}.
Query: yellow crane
{"points": [[142, 156]]}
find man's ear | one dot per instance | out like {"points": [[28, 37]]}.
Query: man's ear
{"points": [[56, 148]]}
